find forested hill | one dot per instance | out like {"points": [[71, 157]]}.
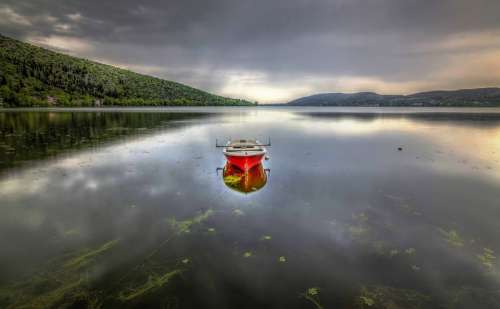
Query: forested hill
{"points": [[34, 76], [481, 97]]}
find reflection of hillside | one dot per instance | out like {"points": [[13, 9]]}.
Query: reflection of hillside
{"points": [[247, 181], [465, 119], [36, 135]]}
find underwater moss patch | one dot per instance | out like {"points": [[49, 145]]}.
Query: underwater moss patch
{"points": [[88, 256], [154, 282], [452, 237]]}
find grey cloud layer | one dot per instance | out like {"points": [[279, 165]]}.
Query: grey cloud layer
{"points": [[381, 44]]}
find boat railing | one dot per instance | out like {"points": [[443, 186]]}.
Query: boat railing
{"points": [[228, 144]]}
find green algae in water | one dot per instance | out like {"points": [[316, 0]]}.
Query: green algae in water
{"points": [[359, 228], [389, 297], [55, 297], [312, 295], [487, 259], [62, 284], [72, 233], [88, 256], [182, 227], [247, 254], [452, 237], [467, 297], [367, 301], [154, 282]]}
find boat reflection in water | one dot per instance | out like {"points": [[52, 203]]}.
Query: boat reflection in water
{"points": [[244, 181]]}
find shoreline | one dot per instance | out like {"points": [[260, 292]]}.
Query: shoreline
{"points": [[229, 109]]}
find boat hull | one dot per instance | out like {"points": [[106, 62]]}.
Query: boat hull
{"points": [[242, 181], [245, 162]]}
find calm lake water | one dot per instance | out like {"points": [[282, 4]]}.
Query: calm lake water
{"points": [[126, 209]]}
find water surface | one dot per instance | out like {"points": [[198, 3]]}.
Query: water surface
{"points": [[362, 208]]}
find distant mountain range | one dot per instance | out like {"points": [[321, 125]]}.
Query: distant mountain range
{"points": [[481, 97], [34, 76]]}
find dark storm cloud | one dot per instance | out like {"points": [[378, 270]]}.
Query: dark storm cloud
{"points": [[274, 49]]}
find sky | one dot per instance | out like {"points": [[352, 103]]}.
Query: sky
{"points": [[273, 51]]}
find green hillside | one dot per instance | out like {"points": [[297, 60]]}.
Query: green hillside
{"points": [[34, 76]]}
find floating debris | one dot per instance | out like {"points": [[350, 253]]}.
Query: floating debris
{"points": [[211, 230], [185, 261], [282, 259], [415, 267], [266, 237]]}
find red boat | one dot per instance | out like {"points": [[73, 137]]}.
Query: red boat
{"points": [[244, 153], [247, 181]]}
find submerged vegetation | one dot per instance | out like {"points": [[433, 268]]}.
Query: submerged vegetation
{"points": [[388, 297], [487, 258], [87, 257], [452, 237], [62, 282], [154, 282], [181, 227], [34, 76], [312, 295]]}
